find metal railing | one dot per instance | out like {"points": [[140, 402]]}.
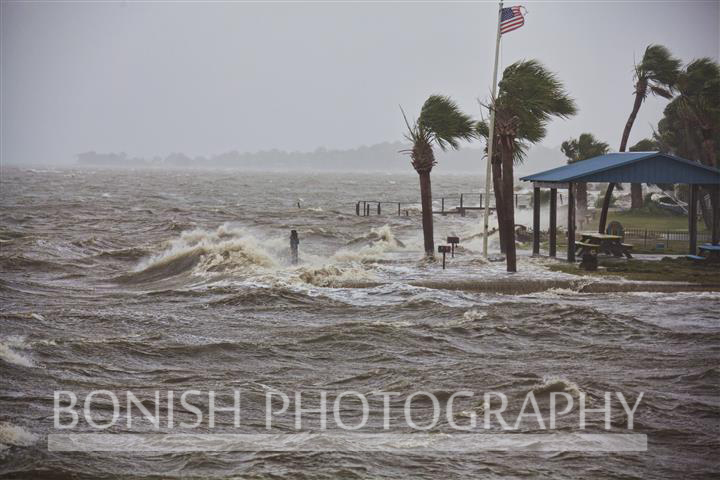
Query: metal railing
{"points": [[458, 204], [649, 236]]}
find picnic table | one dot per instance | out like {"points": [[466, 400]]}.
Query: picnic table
{"points": [[592, 243], [708, 254]]}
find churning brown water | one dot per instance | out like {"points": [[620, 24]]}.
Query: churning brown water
{"points": [[156, 280]]}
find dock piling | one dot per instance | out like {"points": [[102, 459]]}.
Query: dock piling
{"points": [[444, 249], [294, 242]]}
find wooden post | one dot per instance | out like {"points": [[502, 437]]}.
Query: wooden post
{"points": [[536, 221], [444, 249], [442, 204], [716, 216], [605, 207], [571, 224], [398, 209], [692, 247], [294, 242], [357, 209], [553, 222], [378, 208]]}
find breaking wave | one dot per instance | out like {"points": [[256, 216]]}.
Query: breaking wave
{"points": [[376, 243], [334, 276], [553, 383], [9, 351], [202, 252]]}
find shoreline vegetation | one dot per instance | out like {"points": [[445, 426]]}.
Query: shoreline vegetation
{"points": [[380, 157]]}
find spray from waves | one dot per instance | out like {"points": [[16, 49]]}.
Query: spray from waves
{"points": [[553, 383], [9, 347], [232, 250], [202, 252], [379, 241], [13, 435], [335, 276], [382, 234]]}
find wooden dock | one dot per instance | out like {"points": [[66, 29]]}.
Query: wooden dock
{"points": [[458, 204]]}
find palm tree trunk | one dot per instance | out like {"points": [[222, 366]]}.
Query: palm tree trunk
{"points": [[508, 205], [499, 205], [636, 188], [581, 195], [636, 195], [640, 91], [605, 207], [427, 214]]}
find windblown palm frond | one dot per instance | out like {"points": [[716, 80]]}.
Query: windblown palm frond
{"points": [[645, 145], [584, 147], [533, 94], [446, 124], [699, 86], [657, 72]]}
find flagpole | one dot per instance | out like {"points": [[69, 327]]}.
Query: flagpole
{"points": [[491, 133]]}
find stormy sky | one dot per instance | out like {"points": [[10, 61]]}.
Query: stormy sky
{"points": [[150, 78]]}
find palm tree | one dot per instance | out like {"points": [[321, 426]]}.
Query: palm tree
{"points": [[699, 108], [576, 150], [529, 96], [699, 104], [440, 123], [519, 151], [656, 73]]}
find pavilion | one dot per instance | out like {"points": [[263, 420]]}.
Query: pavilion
{"points": [[630, 167]]}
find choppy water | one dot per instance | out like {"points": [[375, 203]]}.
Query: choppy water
{"points": [[152, 280]]}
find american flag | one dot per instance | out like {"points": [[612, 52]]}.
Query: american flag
{"points": [[511, 19]]}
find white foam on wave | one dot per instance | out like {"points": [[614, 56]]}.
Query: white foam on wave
{"points": [[380, 240], [13, 435], [225, 249], [335, 276], [553, 383], [9, 347]]}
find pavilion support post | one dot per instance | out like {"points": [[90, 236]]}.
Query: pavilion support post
{"points": [[716, 216], [536, 221], [553, 221], [692, 227], [605, 207], [571, 224]]}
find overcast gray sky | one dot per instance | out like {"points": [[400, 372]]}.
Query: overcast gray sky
{"points": [[153, 78]]}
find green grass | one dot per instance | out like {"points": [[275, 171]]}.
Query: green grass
{"points": [[666, 270], [654, 219], [648, 219]]}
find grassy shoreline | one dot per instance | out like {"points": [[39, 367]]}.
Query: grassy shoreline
{"points": [[666, 270]]}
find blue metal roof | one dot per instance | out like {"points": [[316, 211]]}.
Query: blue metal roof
{"points": [[631, 167]]}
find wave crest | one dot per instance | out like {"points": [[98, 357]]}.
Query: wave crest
{"points": [[203, 252]]}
